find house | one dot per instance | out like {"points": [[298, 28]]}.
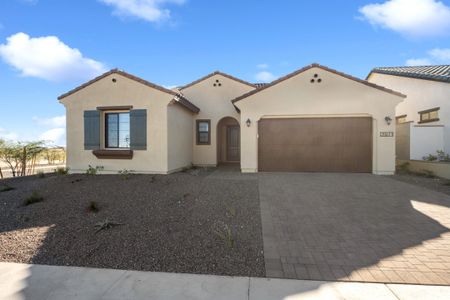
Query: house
{"points": [[314, 119], [423, 119]]}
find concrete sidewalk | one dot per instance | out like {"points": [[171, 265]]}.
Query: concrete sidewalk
{"points": [[22, 281]]}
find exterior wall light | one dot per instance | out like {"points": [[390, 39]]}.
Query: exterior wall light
{"points": [[388, 120], [248, 122]]}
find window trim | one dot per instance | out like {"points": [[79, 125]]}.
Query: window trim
{"points": [[421, 121], [400, 117], [197, 138], [106, 113]]}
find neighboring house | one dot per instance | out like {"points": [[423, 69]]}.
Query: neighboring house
{"points": [[423, 119], [314, 119]]}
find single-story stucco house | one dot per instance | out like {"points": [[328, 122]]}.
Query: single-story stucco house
{"points": [[314, 119], [423, 119]]}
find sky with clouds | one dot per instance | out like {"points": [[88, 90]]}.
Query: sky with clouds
{"points": [[47, 47]]}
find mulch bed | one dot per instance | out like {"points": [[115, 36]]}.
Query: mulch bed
{"points": [[185, 222]]}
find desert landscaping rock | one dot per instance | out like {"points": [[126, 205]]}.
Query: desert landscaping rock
{"points": [[170, 223]]}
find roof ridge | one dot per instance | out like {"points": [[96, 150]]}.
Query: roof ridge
{"points": [[217, 72], [316, 65], [186, 103]]}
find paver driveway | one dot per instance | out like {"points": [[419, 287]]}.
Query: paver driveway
{"points": [[357, 227]]}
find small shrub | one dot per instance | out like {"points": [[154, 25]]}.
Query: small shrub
{"points": [[40, 174], [430, 157], [427, 174], [6, 188], [223, 231], [106, 224], [126, 174], [442, 156], [93, 171], [33, 198], [403, 168], [93, 207], [231, 211], [62, 171]]}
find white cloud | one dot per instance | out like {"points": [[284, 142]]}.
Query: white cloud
{"points": [[418, 62], [58, 121], [264, 76], [55, 135], [148, 10], [442, 55], [262, 66], [8, 135], [435, 56], [415, 18], [48, 58]]}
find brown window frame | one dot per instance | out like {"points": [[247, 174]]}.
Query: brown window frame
{"points": [[400, 117], [197, 132], [427, 111]]}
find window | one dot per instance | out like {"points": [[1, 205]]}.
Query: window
{"points": [[117, 130], [203, 132], [429, 115], [401, 119]]}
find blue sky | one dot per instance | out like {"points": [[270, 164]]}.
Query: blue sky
{"points": [[47, 47]]}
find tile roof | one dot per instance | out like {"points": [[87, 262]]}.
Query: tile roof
{"points": [[315, 65], [437, 72], [178, 97]]}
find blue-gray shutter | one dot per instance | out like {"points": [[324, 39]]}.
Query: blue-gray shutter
{"points": [[138, 129], [91, 129]]}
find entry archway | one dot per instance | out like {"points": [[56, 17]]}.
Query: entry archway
{"points": [[228, 141]]}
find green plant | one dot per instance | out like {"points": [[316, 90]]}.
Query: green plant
{"points": [[427, 173], [442, 156], [40, 174], [62, 171], [106, 224], [6, 188], [223, 231], [93, 171], [403, 168], [126, 174], [93, 207], [33, 198], [231, 211], [430, 157]]}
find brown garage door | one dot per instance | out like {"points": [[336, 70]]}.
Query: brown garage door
{"points": [[315, 145]]}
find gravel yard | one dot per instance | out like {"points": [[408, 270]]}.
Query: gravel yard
{"points": [[190, 222]]}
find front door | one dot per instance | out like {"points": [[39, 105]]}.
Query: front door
{"points": [[233, 143]]}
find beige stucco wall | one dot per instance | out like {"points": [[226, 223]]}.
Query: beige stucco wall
{"points": [[440, 169], [422, 95], [334, 96], [124, 92], [179, 127], [215, 104]]}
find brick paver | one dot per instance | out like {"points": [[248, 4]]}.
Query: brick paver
{"points": [[354, 227]]}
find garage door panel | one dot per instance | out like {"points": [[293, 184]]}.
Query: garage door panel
{"points": [[315, 145]]}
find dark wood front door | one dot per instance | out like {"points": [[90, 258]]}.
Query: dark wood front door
{"points": [[315, 145], [233, 143]]}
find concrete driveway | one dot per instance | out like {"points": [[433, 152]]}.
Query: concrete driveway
{"points": [[354, 227]]}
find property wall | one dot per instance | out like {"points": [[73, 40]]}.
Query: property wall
{"points": [[179, 126], [334, 96], [425, 140], [440, 169], [123, 92], [402, 141], [422, 95], [214, 103]]}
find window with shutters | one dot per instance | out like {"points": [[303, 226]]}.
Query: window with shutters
{"points": [[117, 130], [203, 132]]}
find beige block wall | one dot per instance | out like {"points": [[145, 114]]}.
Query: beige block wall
{"points": [[124, 92], [215, 104], [334, 96], [179, 126], [440, 169]]}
